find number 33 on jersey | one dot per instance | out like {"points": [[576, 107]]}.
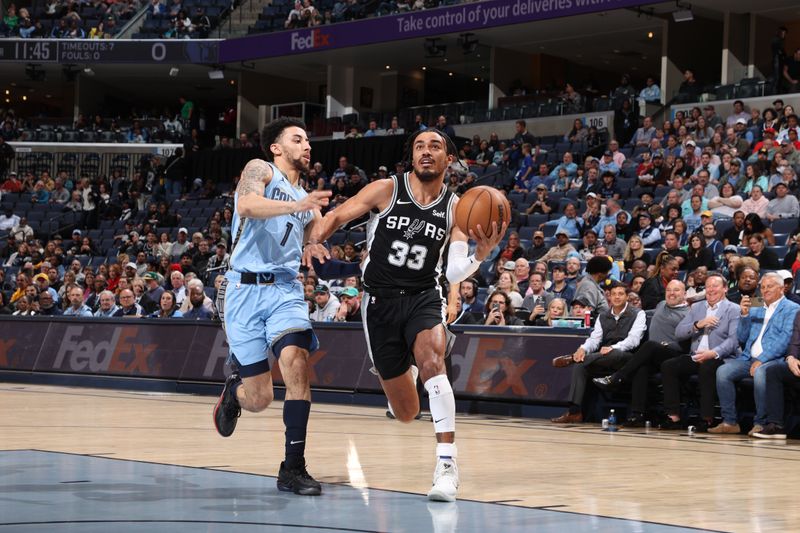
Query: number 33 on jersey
{"points": [[406, 240]]}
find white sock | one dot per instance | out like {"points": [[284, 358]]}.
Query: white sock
{"points": [[442, 404], [446, 450]]}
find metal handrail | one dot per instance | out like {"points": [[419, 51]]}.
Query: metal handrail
{"points": [[128, 29]]}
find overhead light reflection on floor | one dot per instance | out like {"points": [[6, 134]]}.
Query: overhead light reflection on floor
{"points": [[355, 472]]}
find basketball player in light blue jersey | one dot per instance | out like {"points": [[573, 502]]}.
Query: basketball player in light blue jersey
{"points": [[261, 302]]}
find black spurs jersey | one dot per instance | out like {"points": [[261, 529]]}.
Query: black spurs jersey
{"points": [[406, 240]]}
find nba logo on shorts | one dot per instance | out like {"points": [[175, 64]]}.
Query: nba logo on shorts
{"points": [[436, 389]]}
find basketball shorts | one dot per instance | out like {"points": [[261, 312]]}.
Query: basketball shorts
{"points": [[255, 316], [391, 324]]}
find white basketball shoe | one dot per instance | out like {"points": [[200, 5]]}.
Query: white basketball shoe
{"points": [[445, 481]]}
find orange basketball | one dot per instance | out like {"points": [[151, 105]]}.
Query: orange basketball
{"points": [[482, 205]]}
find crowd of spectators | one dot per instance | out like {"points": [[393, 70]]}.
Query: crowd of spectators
{"points": [[703, 205], [182, 19], [187, 125], [97, 19], [289, 14]]}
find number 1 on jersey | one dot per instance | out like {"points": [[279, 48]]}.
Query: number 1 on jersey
{"points": [[402, 252], [289, 227]]}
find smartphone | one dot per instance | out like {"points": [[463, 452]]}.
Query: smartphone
{"points": [[495, 306], [756, 301]]}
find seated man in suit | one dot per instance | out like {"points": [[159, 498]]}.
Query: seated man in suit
{"points": [[710, 325], [777, 373], [616, 335], [765, 333]]}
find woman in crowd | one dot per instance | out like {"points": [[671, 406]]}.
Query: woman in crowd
{"points": [[167, 307], [668, 222], [88, 284], [682, 231], [753, 176], [164, 246], [114, 275], [508, 284], [770, 120], [69, 280], [337, 252], [753, 224], [786, 112], [698, 255], [513, 250], [351, 252], [633, 251], [25, 306], [702, 132], [499, 311], [757, 203], [716, 143], [654, 289], [667, 129], [680, 168], [578, 133], [484, 156], [767, 259], [556, 309], [727, 203], [541, 268], [636, 283]]}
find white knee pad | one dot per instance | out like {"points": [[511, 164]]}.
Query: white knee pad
{"points": [[442, 404]]}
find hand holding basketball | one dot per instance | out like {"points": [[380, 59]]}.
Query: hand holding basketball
{"points": [[483, 213]]}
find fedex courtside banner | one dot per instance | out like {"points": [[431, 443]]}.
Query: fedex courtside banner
{"points": [[487, 362], [427, 23]]}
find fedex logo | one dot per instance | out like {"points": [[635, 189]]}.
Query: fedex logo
{"points": [[313, 39], [120, 353]]}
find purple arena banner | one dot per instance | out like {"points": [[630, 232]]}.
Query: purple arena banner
{"points": [[487, 362], [427, 23]]}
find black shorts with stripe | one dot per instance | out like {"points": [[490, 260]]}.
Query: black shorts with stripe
{"points": [[391, 324]]}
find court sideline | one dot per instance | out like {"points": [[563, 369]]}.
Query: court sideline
{"points": [[710, 482]]}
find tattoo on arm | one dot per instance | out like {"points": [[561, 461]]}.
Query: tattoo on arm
{"points": [[253, 176]]}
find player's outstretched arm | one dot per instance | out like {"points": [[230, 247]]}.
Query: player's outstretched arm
{"points": [[375, 195], [251, 202]]}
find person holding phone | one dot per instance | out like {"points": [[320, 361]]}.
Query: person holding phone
{"points": [[765, 334], [500, 311]]}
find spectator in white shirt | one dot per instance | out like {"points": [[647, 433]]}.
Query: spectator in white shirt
{"points": [[783, 205]]}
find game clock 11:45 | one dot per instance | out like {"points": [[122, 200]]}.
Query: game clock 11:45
{"points": [[28, 50]]}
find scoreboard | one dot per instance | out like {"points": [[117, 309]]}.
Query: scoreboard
{"points": [[109, 51]]}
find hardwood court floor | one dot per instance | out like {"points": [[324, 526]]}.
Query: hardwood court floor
{"points": [[714, 482]]}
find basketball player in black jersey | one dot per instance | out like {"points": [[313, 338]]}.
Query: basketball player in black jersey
{"points": [[403, 308]]}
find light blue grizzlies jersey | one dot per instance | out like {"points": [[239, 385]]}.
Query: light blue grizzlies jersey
{"points": [[273, 245]]}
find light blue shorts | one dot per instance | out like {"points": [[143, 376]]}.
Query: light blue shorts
{"points": [[255, 316]]}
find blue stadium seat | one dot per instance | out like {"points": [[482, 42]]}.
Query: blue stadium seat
{"points": [[526, 232], [780, 251], [537, 219], [784, 225]]}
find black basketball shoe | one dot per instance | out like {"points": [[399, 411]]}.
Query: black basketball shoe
{"points": [[298, 480], [227, 410]]}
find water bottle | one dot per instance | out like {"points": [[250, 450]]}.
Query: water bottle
{"points": [[612, 421]]}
